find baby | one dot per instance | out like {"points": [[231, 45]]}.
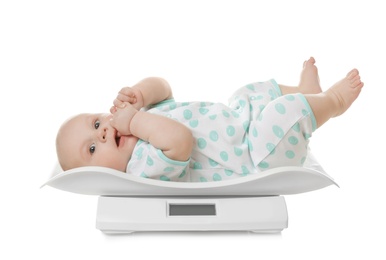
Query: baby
{"points": [[148, 134]]}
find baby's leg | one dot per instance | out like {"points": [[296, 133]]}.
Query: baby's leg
{"points": [[292, 149], [337, 99], [279, 136], [309, 80]]}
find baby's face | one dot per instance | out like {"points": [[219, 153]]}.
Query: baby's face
{"points": [[90, 140]]}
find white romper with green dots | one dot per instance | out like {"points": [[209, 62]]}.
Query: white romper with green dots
{"points": [[259, 130]]}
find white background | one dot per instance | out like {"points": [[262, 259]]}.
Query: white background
{"points": [[59, 58]]}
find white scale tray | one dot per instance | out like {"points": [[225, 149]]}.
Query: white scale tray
{"points": [[128, 203]]}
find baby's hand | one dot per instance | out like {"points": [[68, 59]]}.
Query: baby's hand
{"points": [[130, 95], [122, 116]]}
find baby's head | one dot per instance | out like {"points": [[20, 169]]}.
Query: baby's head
{"points": [[90, 140]]}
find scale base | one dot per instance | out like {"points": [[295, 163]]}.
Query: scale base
{"points": [[117, 215]]}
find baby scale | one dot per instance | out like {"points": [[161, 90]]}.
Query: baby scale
{"points": [[129, 203]]}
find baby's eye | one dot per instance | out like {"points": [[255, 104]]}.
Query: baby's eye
{"points": [[92, 148], [96, 124]]}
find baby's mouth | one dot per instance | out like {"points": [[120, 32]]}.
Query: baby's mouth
{"points": [[117, 138]]}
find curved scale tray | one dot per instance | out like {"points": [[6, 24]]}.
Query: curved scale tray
{"points": [[109, 182]]}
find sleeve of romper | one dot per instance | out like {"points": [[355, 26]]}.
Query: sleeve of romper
{"points": [[150, 162]]}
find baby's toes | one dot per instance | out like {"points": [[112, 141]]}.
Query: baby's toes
{"points": [[352, 74]]}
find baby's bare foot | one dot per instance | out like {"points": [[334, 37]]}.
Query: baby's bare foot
{"points": [[309, 78], [346, 91]]}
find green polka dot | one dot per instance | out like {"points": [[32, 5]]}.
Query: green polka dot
{"points": [[203, 110], [138, 153], [193, 123], [169, 169], [278, 131], [261, 107], [228, 172], [293, 140], [143, 175], [259, 97], [225, 113], [187, 114], [270, 147], [304, 112], [250, 145], [238, 151], [280, 108], [172, 106], [246, 125], [235, 114], [272, 94], [296, 127], [202, 179], [212, 163], [217, 177], [231, 131], [242, 102], [289, 97], [197, 166], [263, 165], [224, 156], [306, 136], [164, 178], [250, 87], [254, 132], [303, 160], [290, 154], [183, 173], [244, 170], [201, 143], [149, 161], [212, 117], [185, 104], [213, 135]]}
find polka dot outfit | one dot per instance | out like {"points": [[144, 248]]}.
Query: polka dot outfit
{"points": [[259, 130]]}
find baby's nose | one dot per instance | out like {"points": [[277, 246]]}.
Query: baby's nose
{"points": [[103, 134]]}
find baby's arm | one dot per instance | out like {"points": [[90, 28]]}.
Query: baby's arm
{"points": [[147, 92], [173, 138]]}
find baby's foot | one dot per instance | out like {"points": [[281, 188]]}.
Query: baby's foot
{"points": [[309, 78], [346, 91]]}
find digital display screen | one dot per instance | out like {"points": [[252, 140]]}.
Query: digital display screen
{"points": [[192, 210]]}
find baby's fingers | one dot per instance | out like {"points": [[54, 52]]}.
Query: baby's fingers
{"points": [[113, 109], [117, 104], [127, 98], [114, 124]]}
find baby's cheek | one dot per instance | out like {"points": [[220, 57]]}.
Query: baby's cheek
{"points": [[118, 163], [131, 143]]}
